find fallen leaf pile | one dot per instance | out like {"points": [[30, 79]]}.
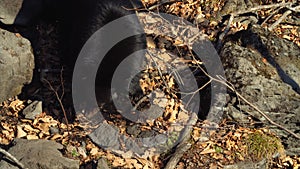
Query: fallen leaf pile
{"points": [[232, 144]]}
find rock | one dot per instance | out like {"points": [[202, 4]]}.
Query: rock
{"points": [[102, 164], [265, 70], [36, 154], [32, 110], [22, 12], [9, 10], [233, 6], [133, 130], [105, 136], [54, 130], [108, 137], [16, 64], [247, 165]]}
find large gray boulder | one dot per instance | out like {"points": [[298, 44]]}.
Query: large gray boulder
{"points": [[9, 10], [21, 12], [16, 64], [265, 69], [37, 154]]}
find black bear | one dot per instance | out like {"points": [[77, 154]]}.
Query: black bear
{"points": [[85, 18], [79, 21]]}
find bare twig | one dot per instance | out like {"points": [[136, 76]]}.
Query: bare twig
{"points": [[222, 81], [295, 9], [195, 92], [59, 98], [262, 7], [159, 70], [14, 159], [163, 2], [256, 8], [265, 116], [271, 15], [144, 98], [223, 34], [285, 14], [62, 84]]}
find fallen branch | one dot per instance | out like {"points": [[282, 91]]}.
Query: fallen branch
{"points": [[224, 34], [271, 15], [285, 14], [294, 9], [184, 145], [14, 159], [256, 8], [163, 2], [265, 116]]}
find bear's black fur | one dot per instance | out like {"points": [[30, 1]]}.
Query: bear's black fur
{"points": [[88, 16], [79, 20]]}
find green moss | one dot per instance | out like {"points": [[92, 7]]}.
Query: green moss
{"points": [[75, 153], [260, 145], [173, 137], [218, 149]]}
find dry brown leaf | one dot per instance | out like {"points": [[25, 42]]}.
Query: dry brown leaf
{"points": [[146, 166], [18, 35], [41, 135], [26, 120], [150, 43], [29, 129], [4, 141], [287, 26], [17, 105], [44, 127], [166, 57], [32, 137], [183, 117], [89, 146], [5, 132], [213, 166], [63, 126], [196, 134], [56, 136], [286, 37], [94, 151], [65, 140], [237, 135], [118, 162], [133, 163], [7, 127], [208, 151], [180, 165], [178, 42], [137, 165], [20, 132], [82, 152]]}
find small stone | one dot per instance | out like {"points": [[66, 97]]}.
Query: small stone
{"points": [[32, 110], [54, 130], [102, 164], [36, 154]]}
